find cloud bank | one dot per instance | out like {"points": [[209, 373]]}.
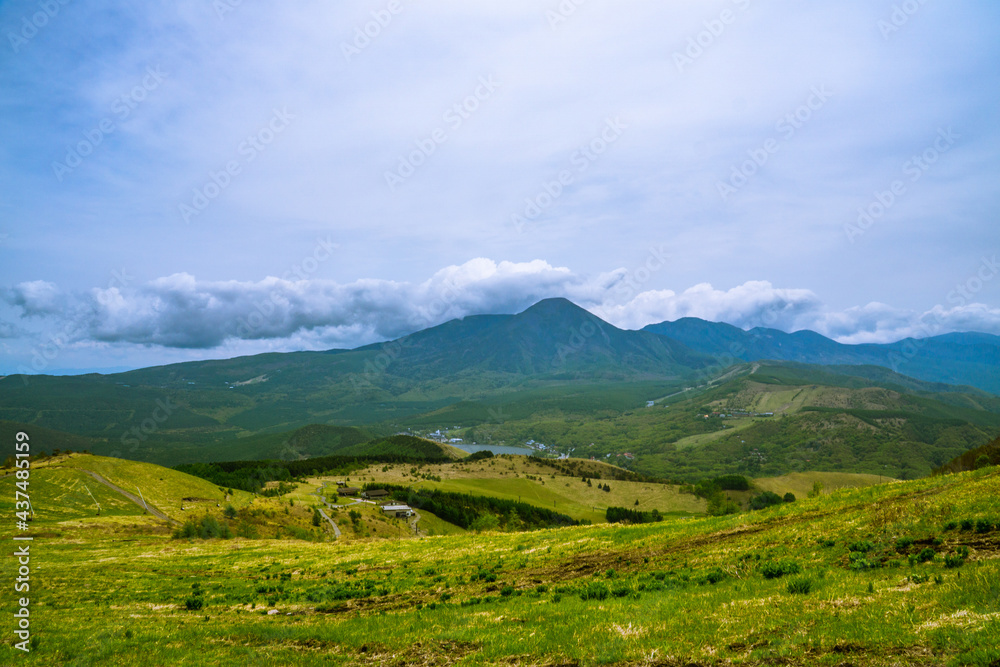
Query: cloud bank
{"points": [[182, 312]]}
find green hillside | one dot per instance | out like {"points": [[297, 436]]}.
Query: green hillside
{"points": [[554, 374], [898, 573]]}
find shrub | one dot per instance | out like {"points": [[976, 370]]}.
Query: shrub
{"points": [[712, 577], [765, 499], [984, 526], [229, 512], [207, 528], [621, 590], [903, 543], [863, 546], [507, 591], [779, 568], [926, 554], [966, 524], [800, 586], [194, 603], [952, 561], [951, 525], [595, 590], [789, 497], [859, 562]]}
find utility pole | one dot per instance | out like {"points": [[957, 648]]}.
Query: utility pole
{"points": [[93, 498], [142, 499]]}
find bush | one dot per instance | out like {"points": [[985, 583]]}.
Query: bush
{"points": [[229, 512], [952, 561], [859, 562], [765, 499], [951, 525], [207, 528], [779, 568], [926, 554], [194, 603], [966, 524], [621, 590], [903, 543], [712, 577], [800, 586], [789, 497], [984, 526], [863, 546], [507, 591], [595, 590]]}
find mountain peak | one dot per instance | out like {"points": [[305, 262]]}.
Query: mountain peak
{"points": [[555, 304]]}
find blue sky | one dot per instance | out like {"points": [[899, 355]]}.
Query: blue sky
{"points": [[204, 179]]}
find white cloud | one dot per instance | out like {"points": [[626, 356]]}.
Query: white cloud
{"points": [[754, 303], [241, 317]]}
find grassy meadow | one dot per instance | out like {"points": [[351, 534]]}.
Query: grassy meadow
{"points": [[903, 573]]}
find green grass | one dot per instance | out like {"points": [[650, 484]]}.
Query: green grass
{"points": [[682, 591]]}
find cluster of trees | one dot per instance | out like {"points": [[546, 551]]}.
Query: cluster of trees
{"points": [[252, 476], [769, 498], [712, 491], [478, 512], [625, 515]]}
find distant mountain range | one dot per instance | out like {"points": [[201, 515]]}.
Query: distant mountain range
{"points": [[956, 358], [554, 373]]}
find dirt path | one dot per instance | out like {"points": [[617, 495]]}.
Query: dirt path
{"points": [[131, 496], [319, 493]]}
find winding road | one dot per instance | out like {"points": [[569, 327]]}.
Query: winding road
{"points": [[319, 494]]}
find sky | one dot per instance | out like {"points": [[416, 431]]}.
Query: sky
{"points": [[204, 179]]}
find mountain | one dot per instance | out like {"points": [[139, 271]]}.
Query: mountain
{"points": [[955, 358], [553, 373], [552, 337]]}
